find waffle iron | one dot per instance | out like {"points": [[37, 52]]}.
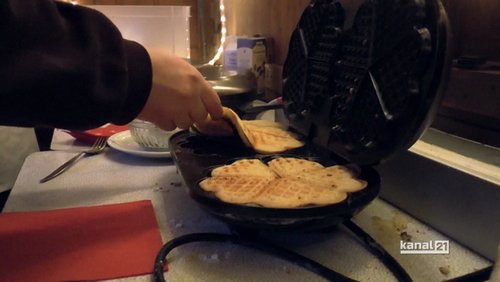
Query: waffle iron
{"points": [[361, 83]]}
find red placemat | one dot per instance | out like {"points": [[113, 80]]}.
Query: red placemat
{"points": [[91, 135], [79, 244]]}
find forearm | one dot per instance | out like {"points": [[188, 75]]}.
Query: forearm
{"points": [[67, 66]]}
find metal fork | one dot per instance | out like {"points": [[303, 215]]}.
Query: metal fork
{"points": [[98, 147]]}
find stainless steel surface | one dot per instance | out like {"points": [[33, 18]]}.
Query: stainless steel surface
{"points": [[457, 201], [97, 147], [228, 83]]}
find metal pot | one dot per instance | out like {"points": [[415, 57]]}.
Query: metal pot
{"points": [[235, 90]]}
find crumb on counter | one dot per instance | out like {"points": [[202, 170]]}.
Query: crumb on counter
{"points": [[445, 270], [405, 236]]}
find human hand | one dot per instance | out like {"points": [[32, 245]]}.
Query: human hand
{"points": [[220, 127], [180, 96]]}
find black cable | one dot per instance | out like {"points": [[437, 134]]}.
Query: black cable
{"points": [[297, 259], [377, 250], [282, 253], [477, 276]]}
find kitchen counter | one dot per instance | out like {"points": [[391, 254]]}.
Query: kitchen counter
{"points": [[116, 177]]}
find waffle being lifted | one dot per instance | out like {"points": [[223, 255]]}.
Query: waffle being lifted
{"points": [[296, 183], [265, 137]]}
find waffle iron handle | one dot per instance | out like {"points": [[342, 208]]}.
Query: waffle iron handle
{"points": [[251, 112]]}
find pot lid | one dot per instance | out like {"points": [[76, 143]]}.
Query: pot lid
{"points": [[363, 80]]}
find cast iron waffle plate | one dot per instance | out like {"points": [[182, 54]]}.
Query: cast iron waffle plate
{"points": [[195, 157], [368, 90]]}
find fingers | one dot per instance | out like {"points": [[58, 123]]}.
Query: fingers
{"points": [[215, 127], [180, 96], [183, 121], [198, 112], [167, 125], [212, 102]]}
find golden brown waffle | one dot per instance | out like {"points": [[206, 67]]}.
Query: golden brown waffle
{"points": [[235, 189], [292, 193], [232, 117], [245, 167], [290, 166], [211, 127], [296, 183], [335, 177], [267, 138], [264, 123]]}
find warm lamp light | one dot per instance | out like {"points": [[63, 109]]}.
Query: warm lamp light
{"points": [[223, 34]]}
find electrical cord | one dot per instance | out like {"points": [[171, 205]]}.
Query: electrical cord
{"points": [[297, 259], [398, 271], [282, 253], [376, 249]]}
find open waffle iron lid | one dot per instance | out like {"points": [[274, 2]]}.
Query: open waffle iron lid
{"points": [[366, 85]]}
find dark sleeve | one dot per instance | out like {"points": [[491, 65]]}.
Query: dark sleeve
{"points": [[67, 66]]}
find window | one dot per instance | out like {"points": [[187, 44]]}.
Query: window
{"points": [[204, 23]]}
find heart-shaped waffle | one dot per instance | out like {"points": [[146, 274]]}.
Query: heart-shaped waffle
{"points": [[334, 177], [290, 166], [245, 167]]}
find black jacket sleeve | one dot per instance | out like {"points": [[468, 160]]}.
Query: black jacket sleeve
{"points": [[67, 66]]}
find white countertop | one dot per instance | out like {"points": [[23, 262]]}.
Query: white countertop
{"points": [[116, 177]]}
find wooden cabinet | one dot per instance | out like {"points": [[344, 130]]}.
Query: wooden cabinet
{"points": [[471, 106]]}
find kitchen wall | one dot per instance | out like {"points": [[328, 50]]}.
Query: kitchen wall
{"points": [[470, 107], [476, 27], [275, 19]]}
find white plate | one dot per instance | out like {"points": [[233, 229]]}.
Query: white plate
{"points": [[124, 142]]}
